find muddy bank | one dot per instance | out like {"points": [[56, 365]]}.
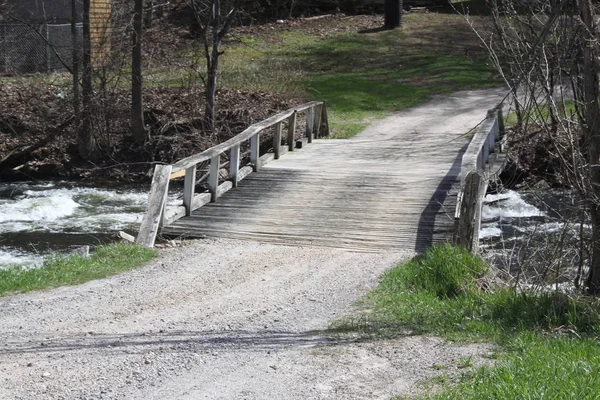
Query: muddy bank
{"points": [[30, 112]]}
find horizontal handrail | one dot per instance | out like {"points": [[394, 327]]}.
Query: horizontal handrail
{"points": [[158, 214], [477, 162], [241, 137]]}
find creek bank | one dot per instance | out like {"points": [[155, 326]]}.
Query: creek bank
{"points": [[29, 111], [39, 218]]}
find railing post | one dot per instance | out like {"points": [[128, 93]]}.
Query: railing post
{"points": [[309, 123], [317, 121], [500, 122], [277, 141], [156, 206], [213, 177], [324, 120], [254, 151], [485, 153], [469, 218], [292, 131], [189, 189], [234, 164]]}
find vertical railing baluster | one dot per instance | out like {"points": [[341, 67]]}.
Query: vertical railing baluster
{"points": [[213, 177], [189, 189], [292, 131], [254, 151], [277, 141], [317, 121], [309, 123], [500, 122], [234, 164]]}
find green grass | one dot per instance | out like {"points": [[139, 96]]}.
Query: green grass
{"points": [[539, 113], [72, 270], [360, 76], [536, 368], [550, 339]]}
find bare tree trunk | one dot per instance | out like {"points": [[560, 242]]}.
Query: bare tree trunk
{"points": [[149, 17], [590, 97], [160, 9], [212, 68], [75, 44], [86, 142], [137, 108], [211, 93], [393, 14]]}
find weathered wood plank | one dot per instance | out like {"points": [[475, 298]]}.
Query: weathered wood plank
{"points": [[178, 174], [277, 141], [189, 189], [254, 151], [156, 204], [469, 218], [317, 121], [324, 121], [310, 123], [172, 214], [292, 131], [213, 177], [234, 164]]}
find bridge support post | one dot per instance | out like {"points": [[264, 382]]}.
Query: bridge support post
{"points": [[324, 121], [156, 206], [213, 177], [309, 123], [500, 122], [234, 164], [254, 151], [466, 232], [317, 120], [277, 141], [189, 189], [292, 131]]}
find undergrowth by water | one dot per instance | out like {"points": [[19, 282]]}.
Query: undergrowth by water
{"points": [[550, 339], [75, 269]]}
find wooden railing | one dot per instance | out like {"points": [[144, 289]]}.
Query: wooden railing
{"points": [[482, 160], [158, 214]]}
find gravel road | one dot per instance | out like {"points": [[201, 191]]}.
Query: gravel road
{"points": [[217, 319]]}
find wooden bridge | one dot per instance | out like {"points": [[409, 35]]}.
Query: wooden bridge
{"points": [[395, 185]]}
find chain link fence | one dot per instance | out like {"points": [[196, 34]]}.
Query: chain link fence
{"points": [[44, 48]]}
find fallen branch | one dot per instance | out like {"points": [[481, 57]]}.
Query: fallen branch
{"points": [[23, 154]]}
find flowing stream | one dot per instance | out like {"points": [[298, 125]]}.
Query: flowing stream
{"points": [[534, 234], [39, 218]]}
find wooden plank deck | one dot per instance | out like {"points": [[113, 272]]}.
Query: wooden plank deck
{"points": [[392, 186]]}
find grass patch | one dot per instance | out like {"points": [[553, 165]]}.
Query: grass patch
{"points": [[362, 76], [550, 339], [536, 368], [540, 113], [73, 270]]}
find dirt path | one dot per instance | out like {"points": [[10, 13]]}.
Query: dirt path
{"points": [[218, 319]]}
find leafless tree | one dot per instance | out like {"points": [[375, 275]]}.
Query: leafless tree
{"points": [[547, 52], [88, 148], [137, 107], [214, 18]]}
